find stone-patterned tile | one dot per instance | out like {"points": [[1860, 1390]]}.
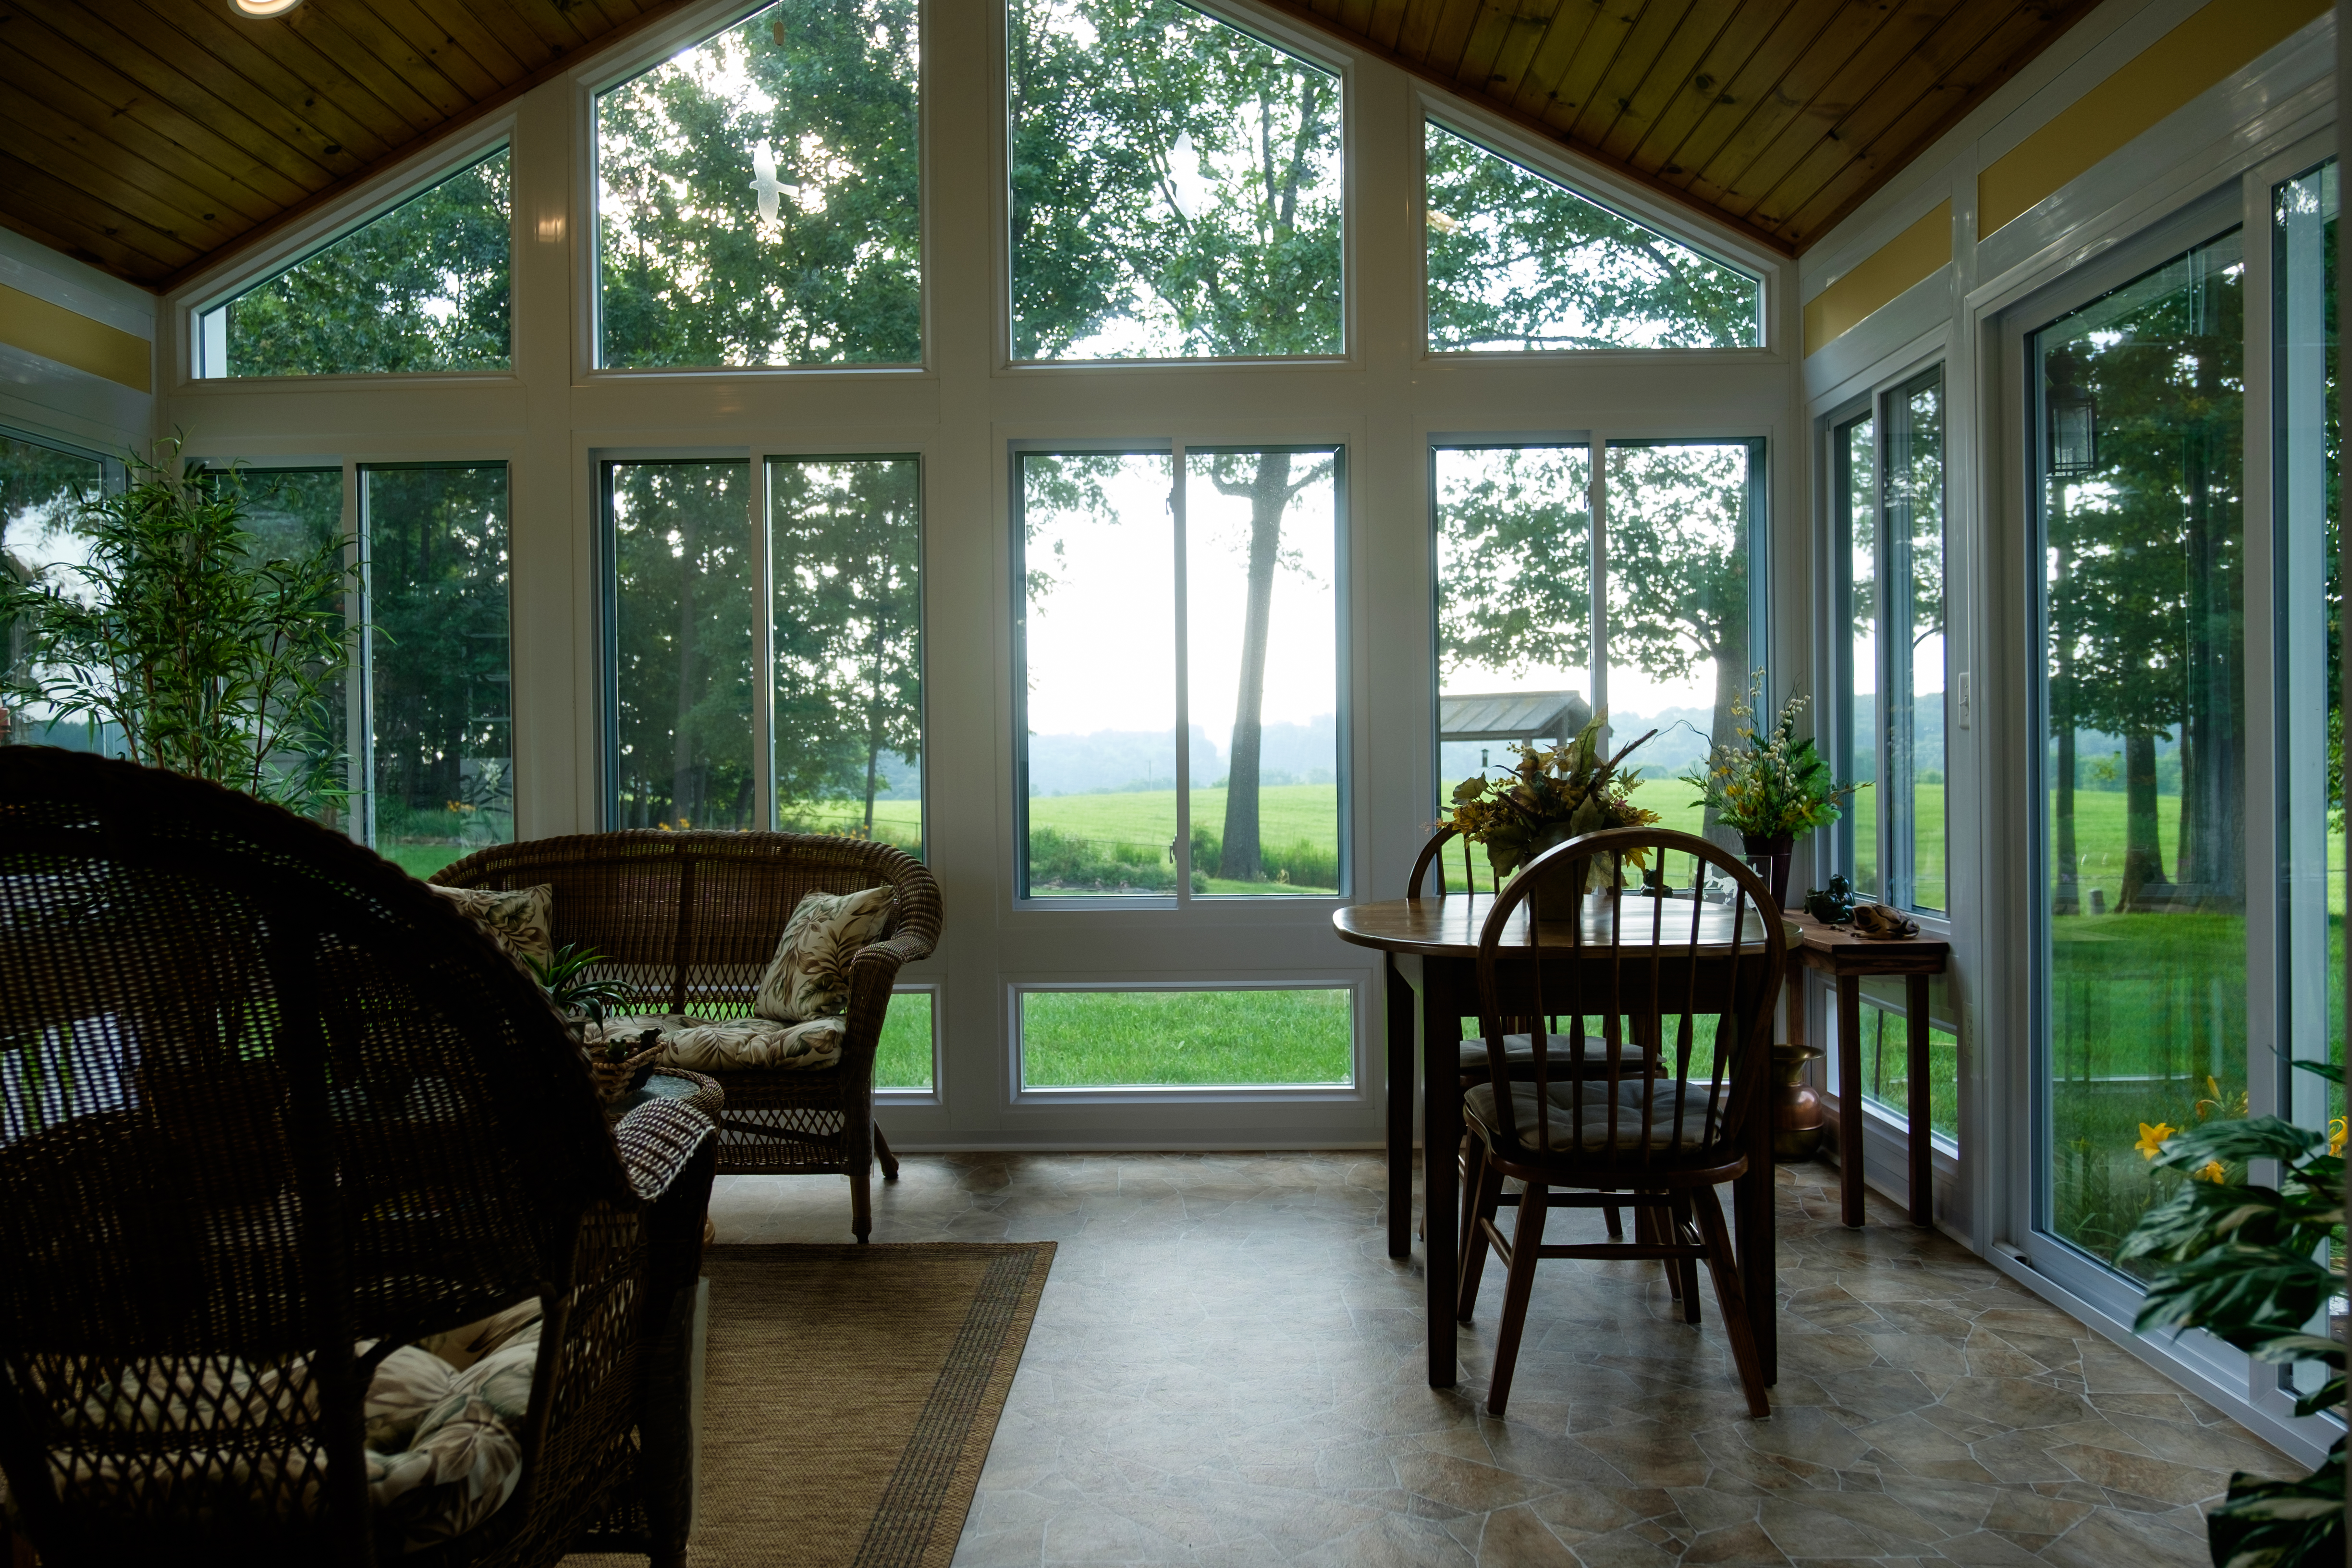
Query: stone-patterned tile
{"points": [[1225, 1373]]}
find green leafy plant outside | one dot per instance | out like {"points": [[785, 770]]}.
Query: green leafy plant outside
{"points": [[1768, 786], [209, 657], [2255, 1266]]}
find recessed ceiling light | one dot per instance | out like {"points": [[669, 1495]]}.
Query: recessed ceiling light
{"points": [[262, 8]]}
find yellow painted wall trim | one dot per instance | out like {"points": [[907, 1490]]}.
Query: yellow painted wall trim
{"points": [[1894, 266], [2220, 39], [73, 339]]}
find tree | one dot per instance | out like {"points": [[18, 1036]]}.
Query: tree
{"points": [[423, 288], [848, 625], [1175, 193], [2147, 615], [763, 195], [683, 598]]}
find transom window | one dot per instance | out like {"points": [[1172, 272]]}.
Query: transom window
{"points": [[759, 194], [1175, 187]]}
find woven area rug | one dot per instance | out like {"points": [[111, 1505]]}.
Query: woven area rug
{"points": [[849, 1397]]}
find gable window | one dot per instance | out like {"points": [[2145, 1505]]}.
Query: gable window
{"points": [[759, 195], [422, 288], [1176, 187], [1179, 675], [1518, 262]]}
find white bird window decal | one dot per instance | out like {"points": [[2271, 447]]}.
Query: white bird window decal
{"points": [[763, 165]]}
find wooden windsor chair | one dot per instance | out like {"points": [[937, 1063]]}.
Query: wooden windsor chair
{"points": [[1651, 973], [1562, 1057]]}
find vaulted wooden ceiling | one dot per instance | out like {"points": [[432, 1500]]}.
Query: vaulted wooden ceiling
{"points": [[148, 137], [1778, 115]]}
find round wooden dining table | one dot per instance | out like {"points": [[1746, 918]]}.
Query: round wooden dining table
{"points": [[1432, 948]]}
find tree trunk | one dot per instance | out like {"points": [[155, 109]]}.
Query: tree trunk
{"points": [[1239, 858], [1731, 679], [2143, 854], [681, 782], [2208, 854]]}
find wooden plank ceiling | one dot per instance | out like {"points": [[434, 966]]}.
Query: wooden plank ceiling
{"points": [[1779, 116], [149, 137]]}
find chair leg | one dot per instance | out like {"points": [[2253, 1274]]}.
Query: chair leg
{"points": [[882, 1152], [1724, 1266], [861, 1201], [1615, 1221], [1650, 1225], [1527, 1246], [1679, 1227], [1483, 1198]]}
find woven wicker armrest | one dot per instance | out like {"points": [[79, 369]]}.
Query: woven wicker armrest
{"points": [[659, 1142]]}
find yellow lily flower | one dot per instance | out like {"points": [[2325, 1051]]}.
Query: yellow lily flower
{"points": [[2211, 1172], [2151, 1139], [2335, 1135]]}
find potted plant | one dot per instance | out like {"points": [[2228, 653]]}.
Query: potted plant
{"points": [[1553, 794], [205, 654], [2255, 1266], [1769, 788], [620, 1064]]}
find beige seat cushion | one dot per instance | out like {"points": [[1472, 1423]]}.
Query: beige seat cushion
{"points": [[719, 1045], [1665, 1129], [809, 976], [1561, 1051]]}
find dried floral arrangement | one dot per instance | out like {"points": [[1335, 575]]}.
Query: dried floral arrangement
{"points": [[1553, 794], [1772, 785]]}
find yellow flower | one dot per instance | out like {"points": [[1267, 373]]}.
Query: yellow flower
{"points": [[2151, 1139], [2211, 1172], [2336, 1133]]}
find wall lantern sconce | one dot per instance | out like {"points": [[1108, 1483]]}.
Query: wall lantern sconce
{"points": [[2074, 433]]}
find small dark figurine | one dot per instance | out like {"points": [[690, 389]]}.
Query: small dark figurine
{"points": [[1834, 907]]}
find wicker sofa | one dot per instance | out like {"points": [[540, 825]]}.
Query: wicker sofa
{"points": [[688, 922]]}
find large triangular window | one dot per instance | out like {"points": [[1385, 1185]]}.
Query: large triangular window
{"points": [[1518, 263], [422, 288]]}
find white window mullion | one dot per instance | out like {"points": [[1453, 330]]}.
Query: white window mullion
{"points": [[1597, 504], [1181, 851], [764, 649]]}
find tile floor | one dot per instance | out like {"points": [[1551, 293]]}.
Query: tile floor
{"points": [[1226, 1370]]}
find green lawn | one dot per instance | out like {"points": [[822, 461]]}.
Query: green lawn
{"points": [[903, 1059], [1074, 1039]]}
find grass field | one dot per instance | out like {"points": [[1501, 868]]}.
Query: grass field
{"points": [[1088, 1039]]}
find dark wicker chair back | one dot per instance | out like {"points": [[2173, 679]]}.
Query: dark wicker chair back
{"points": [[264, 1099], [689, 922]]}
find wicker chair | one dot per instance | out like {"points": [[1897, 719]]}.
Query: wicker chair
{"points": [[268, 1109], [689, 922]]}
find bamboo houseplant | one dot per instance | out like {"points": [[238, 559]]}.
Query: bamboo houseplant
{"points": [[2257, 1267], [203, 652], [1769, 788]]}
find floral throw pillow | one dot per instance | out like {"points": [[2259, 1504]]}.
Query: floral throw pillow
{"points": [[522, 922], [809, 976]]}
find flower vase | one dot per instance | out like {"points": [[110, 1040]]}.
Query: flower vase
{"points": [[1560, 895], [1770, 859]]}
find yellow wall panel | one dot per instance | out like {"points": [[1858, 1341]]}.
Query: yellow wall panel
{"points": [[2200, 51], [1894, 266], [73, 339]]}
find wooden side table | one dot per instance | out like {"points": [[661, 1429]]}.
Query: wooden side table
{"points": [[1846, 958]]}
